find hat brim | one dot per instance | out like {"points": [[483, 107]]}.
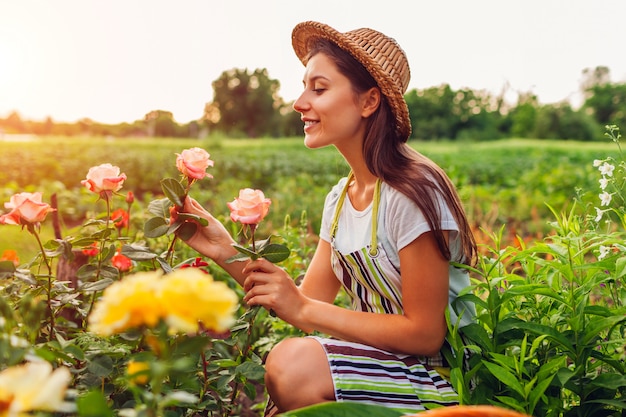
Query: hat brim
{"points": [[303, 37]]}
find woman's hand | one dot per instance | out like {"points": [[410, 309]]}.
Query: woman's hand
{"points": [[213, 240], [271, 287]]}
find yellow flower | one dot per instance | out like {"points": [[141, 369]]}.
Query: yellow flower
{"points": [[33, 386], [126, 304], [133, 368], [182, 299], [190, 296]]}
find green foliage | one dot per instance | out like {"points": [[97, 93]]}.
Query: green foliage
{"points": [[246, 103], [551, 321], [551, 326]]}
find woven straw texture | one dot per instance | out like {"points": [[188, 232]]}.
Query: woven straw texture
{"points": [[378, 53]]}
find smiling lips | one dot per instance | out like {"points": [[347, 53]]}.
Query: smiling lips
{"points": [[309, 123]]}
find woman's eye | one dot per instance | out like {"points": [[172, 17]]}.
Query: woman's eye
{"points": [[318, 90]]}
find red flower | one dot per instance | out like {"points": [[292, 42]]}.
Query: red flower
{"points": [[120, 218], [10, 255], [121, 262], [197, 263], [92, 250]]}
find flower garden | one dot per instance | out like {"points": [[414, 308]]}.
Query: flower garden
{"points": [[120, 318]]}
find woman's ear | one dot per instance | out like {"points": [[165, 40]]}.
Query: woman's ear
{"points": [[370, 101]]}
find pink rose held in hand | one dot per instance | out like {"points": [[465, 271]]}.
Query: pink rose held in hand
{"points": [[250, 207], [102, 178], [193, 163], [25, 208]]}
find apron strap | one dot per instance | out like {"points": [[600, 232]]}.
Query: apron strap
{"points": [[342, 197]]}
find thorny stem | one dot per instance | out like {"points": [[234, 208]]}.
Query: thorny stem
{"points": [[246, 347], [105, 195], [32, 230]]}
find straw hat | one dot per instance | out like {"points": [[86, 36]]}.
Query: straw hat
{"points": [[378, 53]]}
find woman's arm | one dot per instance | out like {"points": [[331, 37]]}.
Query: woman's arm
{"points": [[420, 330]]}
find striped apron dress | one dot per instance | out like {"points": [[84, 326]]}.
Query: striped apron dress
{"points": [[365, 374]]}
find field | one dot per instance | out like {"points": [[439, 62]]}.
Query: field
{"points": [[548, 284], [503, 182]]}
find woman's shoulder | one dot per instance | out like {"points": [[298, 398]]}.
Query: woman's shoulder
{"points": [[335, 191]]}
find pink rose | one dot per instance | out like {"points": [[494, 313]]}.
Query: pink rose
{"points": [[25, 207], [102, 178], [250, 207], [193, 163]]}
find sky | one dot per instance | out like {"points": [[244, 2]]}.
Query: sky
{"points": [[113, 61]]}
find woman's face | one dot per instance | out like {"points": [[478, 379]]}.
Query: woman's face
{"points": [[331, 111]]}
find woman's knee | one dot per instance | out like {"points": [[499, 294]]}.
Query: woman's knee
{"points": [[298, 374]]}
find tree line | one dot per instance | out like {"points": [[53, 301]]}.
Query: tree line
{"points": [[247, 104]]}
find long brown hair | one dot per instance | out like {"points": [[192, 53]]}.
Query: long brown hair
{"points": [[391, 159]]}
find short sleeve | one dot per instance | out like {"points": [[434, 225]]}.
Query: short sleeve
{"points": [[405, 221]]}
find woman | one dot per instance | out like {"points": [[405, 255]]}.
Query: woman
{"points": [[389, 233]]}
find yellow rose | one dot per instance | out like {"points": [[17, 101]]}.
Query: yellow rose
{"points": [[128, 303], [190, 296], [133, 368], [33, 386]]}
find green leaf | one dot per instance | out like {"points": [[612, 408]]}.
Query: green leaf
{"points": [[595, 327], [177, 397], [107, 271], [93, 404], [537, 329], [609, 381], [478, 335], [193, 217], [187, 230], [7, 269], [539, 390], [101, 366], [275, 253], [87, 271], [251, 370], [160, 207], [173, 190], [138, 252], [506, 377], [167, 268], [155, 227], [96, 286]]}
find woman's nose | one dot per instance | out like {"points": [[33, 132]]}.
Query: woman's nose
{"points": [[301, 103]]}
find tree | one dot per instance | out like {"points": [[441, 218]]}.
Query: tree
{"points": [[431, 113], [247, 103], [161, 123], [524, 116], [605, 100]]}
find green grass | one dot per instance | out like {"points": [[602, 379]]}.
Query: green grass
{"points": [[506, 181]]}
